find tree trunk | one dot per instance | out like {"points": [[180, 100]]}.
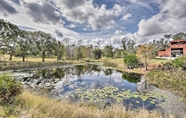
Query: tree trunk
{"points": [[58, 58], [23, 57], [146, 63], [43, 57], [10, 57]]}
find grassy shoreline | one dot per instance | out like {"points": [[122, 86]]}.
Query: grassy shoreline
{"points": [[174, 81], [30, 105]]}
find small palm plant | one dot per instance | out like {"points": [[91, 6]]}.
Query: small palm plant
{"points": [[9, 88]]}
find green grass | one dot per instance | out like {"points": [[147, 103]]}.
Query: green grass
{"points": [[158, 61], [174, 80], [9, 88], [34, 106]]}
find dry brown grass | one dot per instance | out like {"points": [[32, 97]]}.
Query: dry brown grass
{"points": [[30, 105]]}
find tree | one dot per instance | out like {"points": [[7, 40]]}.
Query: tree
{"points": [[118, 53], [178, 36], [108, 51], [66, 41], [10, 41], [8, 37], [24, 44], [45, 44], [128, 46], [131, 61], [79, 54], [144, 52], [59, 49], [97, 53], [124, 40]]}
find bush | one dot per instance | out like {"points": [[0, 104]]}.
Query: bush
{"points": [[131, 61], [180, 62], [9, 88]]}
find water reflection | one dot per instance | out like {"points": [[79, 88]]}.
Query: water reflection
{"points": [[95, 84]]}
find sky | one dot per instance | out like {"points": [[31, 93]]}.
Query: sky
{"points": [[98, 21]]}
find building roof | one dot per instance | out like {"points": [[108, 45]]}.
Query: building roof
{"points": [[177, 40]]}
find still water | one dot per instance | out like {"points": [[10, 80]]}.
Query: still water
{"points": [[98, 85]]}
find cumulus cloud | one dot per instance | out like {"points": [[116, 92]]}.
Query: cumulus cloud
{"points": [[86, 12], [127, 16], [6, 7], [170, 19], [59, 33], [118, 32], [72, 26], [45, 12], [71, 4], [143, 3]]}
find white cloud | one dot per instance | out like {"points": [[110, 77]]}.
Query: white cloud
{"points": [[86, 12], [72, 26], [51, 15], [25, 19], [170, 19], [118, 32], [143, 3], [127, 16]]}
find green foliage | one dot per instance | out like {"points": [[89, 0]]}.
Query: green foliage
{"points": [[128, 45], [79, 54], [168, 79], [179, 62], [108, 51], [131, 61], [8, 88], [179, 36], [118, 53], [97, 53]]}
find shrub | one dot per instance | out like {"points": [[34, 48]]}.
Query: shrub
{"points": [[131, 61], [179, 62], [8, 88]]}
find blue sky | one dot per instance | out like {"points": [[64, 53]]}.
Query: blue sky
{"points": [[102, 21]]}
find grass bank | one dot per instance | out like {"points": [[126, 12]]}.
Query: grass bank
{"points": [[12, 65], [30, 105], [152, 63], [171, 80]]}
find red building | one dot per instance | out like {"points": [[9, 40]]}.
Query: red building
{"points": [[177, 48]]}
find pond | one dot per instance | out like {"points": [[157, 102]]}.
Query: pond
{"points": [[100, 86]]}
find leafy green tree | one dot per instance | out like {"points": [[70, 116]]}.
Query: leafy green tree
{"points": [[118, 53], [108, 51], [128, 46], [24, 44], [79, 54], [144, 53], [59, 49], [45, 44], [131, 61], [124, 41], [8, 37], [179, 36], [11, 40], [97, 53], [66, 42]]}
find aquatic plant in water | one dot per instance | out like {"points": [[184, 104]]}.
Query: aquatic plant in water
{"points": [[100, 95]]}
